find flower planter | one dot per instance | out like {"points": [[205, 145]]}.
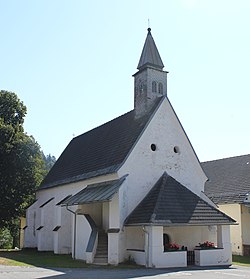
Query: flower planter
{"points": [[211, 257], [172, 250], [174, 258]]}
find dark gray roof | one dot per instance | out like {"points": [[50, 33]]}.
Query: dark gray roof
{"points": [[98, 152], [170, 203], [98, 192], [150, 55], [229, 179]]}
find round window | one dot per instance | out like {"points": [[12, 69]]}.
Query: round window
{"points": [[153, 147], [177, 150]]}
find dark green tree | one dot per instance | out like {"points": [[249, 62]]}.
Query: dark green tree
{"points": [[21, 161]]}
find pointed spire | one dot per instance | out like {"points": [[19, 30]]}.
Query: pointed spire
{"points": [[150, 55]]}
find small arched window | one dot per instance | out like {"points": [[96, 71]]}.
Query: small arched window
{"points": [[153, 86], [160, 88]]}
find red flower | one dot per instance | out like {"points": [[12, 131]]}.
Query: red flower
{"points": [[173, 246], [207, 244]]}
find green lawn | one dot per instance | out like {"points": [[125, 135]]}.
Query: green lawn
{"points": [[31, 257], [240, 260]]}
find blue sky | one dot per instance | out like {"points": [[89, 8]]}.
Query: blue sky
{"points": [[71, 63]]}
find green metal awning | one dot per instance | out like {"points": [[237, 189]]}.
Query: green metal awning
{"points": [[98, 192]]}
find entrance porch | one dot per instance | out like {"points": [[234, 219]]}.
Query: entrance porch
{"points": [[147, 245], [96, 222]]}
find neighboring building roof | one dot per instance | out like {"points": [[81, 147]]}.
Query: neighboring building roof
{"points": [[98, 192], [150, 55], [99, 151], [229, 179], [170, 203]]}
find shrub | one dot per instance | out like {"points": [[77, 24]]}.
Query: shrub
{"points": [[5, 239]]}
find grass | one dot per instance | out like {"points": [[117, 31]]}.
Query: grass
{"points": [[241, 260], [31, 257]]}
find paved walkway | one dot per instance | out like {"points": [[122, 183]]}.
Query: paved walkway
{"points": [[100, 273]]}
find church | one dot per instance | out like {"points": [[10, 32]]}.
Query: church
{"points": [[132, 189]]}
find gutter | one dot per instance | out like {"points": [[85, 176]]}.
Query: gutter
{"points": [[147, 246]]}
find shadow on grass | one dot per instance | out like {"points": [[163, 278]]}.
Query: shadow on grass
{"points": [[63, 266], [31, 257]]}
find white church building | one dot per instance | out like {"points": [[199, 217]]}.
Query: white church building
{"points": [[132, 188]]}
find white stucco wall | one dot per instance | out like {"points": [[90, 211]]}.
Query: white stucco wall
{"points": [[156, 255], [234, 211], [63, 236], [191, 236], [49, 217], [135, 238], [210, 257], [217, 257], [83, 231], [135, 245], [45, 235], [139, 257], [114, 212], [30, 233], [145, 166]]}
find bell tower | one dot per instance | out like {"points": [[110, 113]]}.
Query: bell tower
{"points": [[150, 82]]}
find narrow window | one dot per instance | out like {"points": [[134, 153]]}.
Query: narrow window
{"points": [[160, 88], [56, 228], [153, 86], [141, 88], [39, 228]]}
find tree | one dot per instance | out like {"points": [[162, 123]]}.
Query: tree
{"points": [[21, 160], [49, 161]]}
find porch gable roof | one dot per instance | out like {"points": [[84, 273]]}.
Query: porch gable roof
{"points": [[98, 192], [170, 203]]}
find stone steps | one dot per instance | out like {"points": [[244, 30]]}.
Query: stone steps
{"points": [[101, 256]]}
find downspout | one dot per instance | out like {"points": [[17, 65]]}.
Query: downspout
{"points": [[74, 239], [147, 246]]}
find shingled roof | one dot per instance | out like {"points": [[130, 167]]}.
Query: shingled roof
{"points": [[150, 55], [98, 192], [99, 151], [229, 179], [170, 203]]}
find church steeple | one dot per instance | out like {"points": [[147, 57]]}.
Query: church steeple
{"points": [[150, 82], [150, 55]]}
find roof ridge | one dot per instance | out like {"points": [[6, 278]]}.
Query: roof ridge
{"points": [[151, 114], [104, 124], [192, 210], [200, 198], [112, 142], [162, 180], [231, 157]]}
